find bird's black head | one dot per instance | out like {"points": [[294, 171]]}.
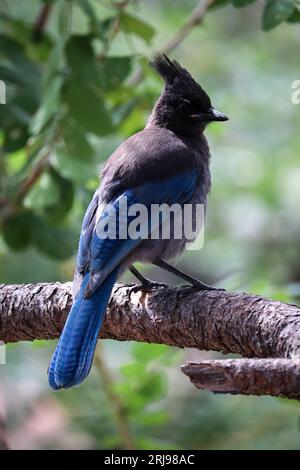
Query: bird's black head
{"points": [[184, 106]]}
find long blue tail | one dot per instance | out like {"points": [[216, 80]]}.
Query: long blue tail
{"points": [[72, 359]]}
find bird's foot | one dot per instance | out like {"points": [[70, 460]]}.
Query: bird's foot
{"points": [[147, 286], [199, 285], [195, 283]]}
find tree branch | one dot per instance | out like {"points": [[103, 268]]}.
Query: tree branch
{"points": [[192, 21], [211, 320], [37, 171], [195, 18], [41, 22], [276, 377]]}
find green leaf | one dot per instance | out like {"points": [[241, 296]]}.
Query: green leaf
{"points": [[147, 352], [112, 71], [81, 60], [49, 106], [219, 3], [242, 3], [21, 108], [56, 242], [132, 371], [30, 72], [86, 106], [157, 444], [76, 142], [154, 418], [66, 197], [17, 229], [11, 48], [9, 75], [88, 80], [131, 397], [138, 27], [23, 97], [275, 12], [55, 62], [44, 193], [122, 111], [98, 28], [71, 168], [295, 17], [105, 74], [15, 117], [52, 196], [15, 138], [153, 388], [22, 32]]}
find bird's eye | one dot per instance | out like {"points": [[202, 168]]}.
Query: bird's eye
{"points": [[184, 104]]}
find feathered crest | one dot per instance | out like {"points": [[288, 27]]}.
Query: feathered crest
{"points": [[168, 69]]}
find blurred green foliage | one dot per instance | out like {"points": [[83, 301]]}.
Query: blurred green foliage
{"points": [[71, 98]]}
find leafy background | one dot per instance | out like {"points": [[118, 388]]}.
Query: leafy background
{"points": [[76, 87]]}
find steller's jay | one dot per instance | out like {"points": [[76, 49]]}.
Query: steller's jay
{"points": [[167, 162]]}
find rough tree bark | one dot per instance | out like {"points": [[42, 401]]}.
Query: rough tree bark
{"points": [[276, 377], [213, 320]]}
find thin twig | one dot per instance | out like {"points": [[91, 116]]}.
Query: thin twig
{"points": [[121, 415], [12, 207], [41, 22], [192, 21], [37, 170], [114, 29]]}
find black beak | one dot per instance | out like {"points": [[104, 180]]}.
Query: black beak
{"points": [[217, 115], [211, 115]]}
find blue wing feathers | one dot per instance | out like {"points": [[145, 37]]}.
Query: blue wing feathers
{"points": [[87, 228], [99, 260], [106, 254]]}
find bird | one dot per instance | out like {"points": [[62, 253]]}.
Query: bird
{"points": [[166, 162]]}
